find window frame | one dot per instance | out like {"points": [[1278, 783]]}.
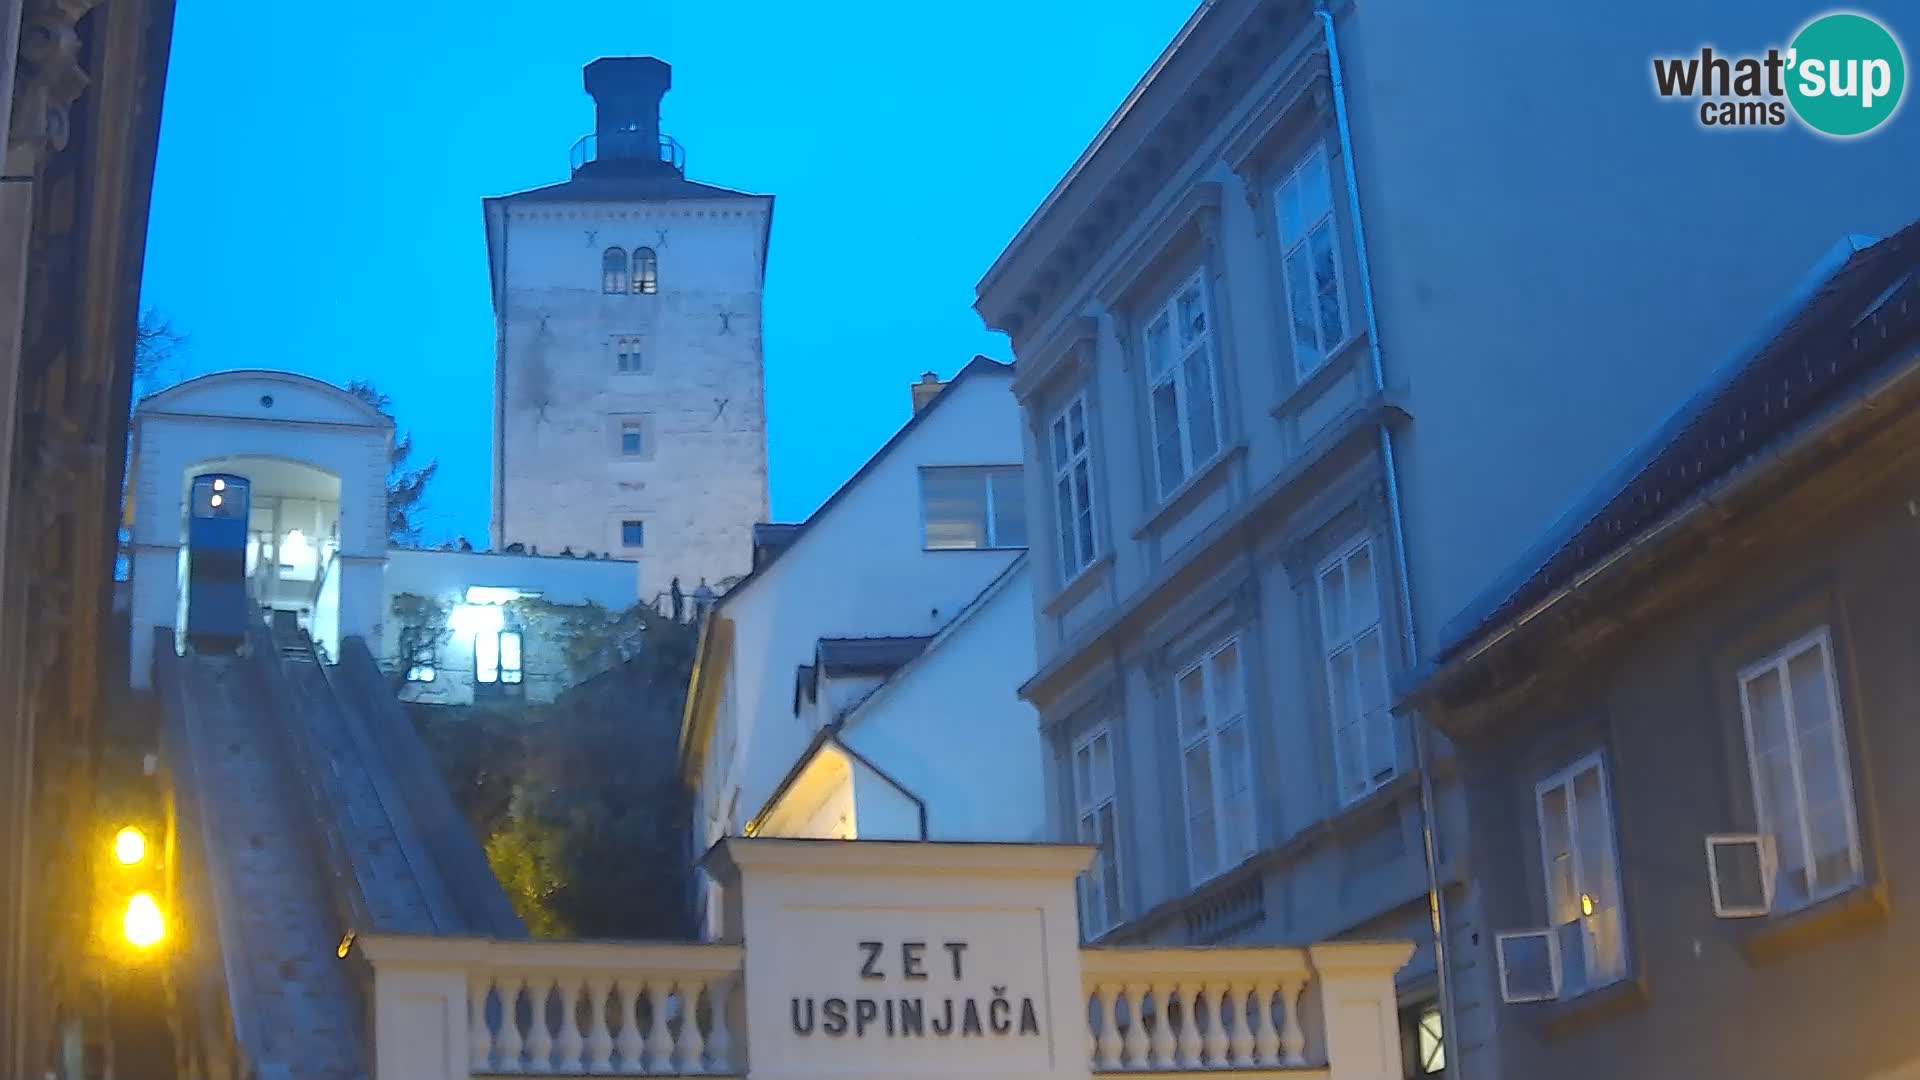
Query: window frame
{"points": [[1307, 362], [1224, 860], [1205, 344], [1087, 804], [639, 532], [639, 430], [1778, 661], [1079, 543], [613, 280], [986, 474], [1594, 760], [622, 353], [1342, 557], [646, 271]]}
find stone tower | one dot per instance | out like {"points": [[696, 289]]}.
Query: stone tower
{"points": [[629, 398]]}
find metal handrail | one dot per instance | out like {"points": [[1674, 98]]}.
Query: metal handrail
{"points": [[626, 145]]}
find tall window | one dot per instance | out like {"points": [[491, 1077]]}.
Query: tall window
{"points": [[646, 271], [1365, 752], [633, 534], [1311, 262], [1216, 761], [632, 444], [1073, 487], [627, 356], [496, 657], [1583, 879], [613, 270], [1423, 1043], [1093, 797], [1182, 382], [1802, 785], [973, 507]]}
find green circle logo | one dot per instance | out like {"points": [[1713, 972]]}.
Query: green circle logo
{"points": [[1846, 74]]}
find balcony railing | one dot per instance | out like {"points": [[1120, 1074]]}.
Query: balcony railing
{"points": [[634, 145]]}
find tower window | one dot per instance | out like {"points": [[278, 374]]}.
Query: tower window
{"points": [[613, 270], [646, 271], [633, 534], [630, 441], [627, 356]]}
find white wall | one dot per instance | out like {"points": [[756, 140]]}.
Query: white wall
{"points": [[951, 728], [701, 483], [859, 569], [253, 414]]}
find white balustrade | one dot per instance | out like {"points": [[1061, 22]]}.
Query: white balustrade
{"points": [[1184, 1010]]}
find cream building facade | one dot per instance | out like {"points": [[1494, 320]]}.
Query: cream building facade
{"points": [[630, 413]]}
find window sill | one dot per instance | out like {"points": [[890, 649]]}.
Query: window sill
{"points": [[1558, 1019], [1780, 936], [1183, 497], [1088, 579], [1331, 369], [952, 550]]}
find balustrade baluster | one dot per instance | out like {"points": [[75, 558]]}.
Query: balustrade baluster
{"points": [[1293, 1037], [1165, 1042], [570, 1043], [1266, 1034], [629, 1042], [1240, 1039], [539, 1035], [1133, 1041], [720, 1040], [692, 1045], [659, 1042], [479, 1035], [599, 1039], [509, 1044], [1216, 1034], [1189, 1046], [1106, 1043]]}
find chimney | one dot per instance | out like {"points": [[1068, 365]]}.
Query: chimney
{"points": [[626, 94], [924, 390]]}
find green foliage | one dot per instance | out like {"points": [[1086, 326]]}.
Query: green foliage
{"points": [[406, 484], [584, 815]]}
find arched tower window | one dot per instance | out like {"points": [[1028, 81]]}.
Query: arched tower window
{"points": [[613, 270], [646, 271]]}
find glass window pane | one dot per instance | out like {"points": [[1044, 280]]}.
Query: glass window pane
{"points": [[1102, 767], [954, 504], [1110, 863], [1193, 704], [1060, 443], [1593, 835], [1432, 1046], [1077, 426], [1326, 288], [1166, 437], [1300, 306], [1363, 594], [1083, 487], [1159, 347], [1556, 833], [1293, 223], [1200, 405], [1193, 315], [510, 656], [1063, 511], [1333, 604], [1009, 508], [1228, 690], [486, 657], [1316, 196]]}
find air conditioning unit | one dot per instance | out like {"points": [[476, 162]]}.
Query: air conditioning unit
{"points": [[1741, 869], [1529, 965]]}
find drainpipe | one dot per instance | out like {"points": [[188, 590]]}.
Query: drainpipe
{"points": [[1436, 905]]}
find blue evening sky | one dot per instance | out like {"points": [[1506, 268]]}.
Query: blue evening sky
{"points": [[321, 168]]}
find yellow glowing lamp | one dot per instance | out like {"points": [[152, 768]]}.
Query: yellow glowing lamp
{"points": [[143, 924], [214, 501], [130, 846], [1586, 904]]}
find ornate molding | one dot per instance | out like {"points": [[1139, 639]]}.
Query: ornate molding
{"points": [[49, 78]]}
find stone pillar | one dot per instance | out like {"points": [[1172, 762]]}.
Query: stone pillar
{"points": [[419, 1015], [839, 934], [1359, 1007]]}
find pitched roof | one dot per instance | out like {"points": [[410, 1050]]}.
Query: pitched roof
{"points": [[978, 365], [1851, 326], [656, 186]]}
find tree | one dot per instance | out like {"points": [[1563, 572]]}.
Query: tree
{"points": [[156, 343], [406, 486]]}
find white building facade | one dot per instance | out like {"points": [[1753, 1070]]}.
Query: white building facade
{"points": [[860, 682], [630, 412]]}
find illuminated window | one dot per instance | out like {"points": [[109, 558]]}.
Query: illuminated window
{"points": [[613, 270], [646, 272], [1423, 1044], [496, 658], [1583, 879], [970, 507]]}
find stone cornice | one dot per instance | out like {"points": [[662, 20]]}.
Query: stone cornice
{"points": [[49, 78], [639, 208]]}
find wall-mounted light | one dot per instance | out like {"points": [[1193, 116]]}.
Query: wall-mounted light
{"points": [[476, 619], [492, 594]]}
